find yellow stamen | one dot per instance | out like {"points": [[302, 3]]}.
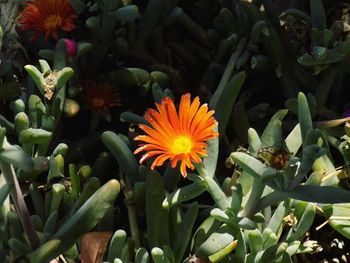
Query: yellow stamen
{"points": [[182, 145], [53, 21], [96, 102]]}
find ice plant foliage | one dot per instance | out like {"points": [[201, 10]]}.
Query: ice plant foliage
{"points": [[100, 96], [177, 136], [48, 17]]}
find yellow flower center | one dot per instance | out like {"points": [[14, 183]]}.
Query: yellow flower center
{"points": [[182, 145], [53, 21], [97, 103]]}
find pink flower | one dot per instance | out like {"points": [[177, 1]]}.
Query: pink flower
{"points": [[71, 46]]}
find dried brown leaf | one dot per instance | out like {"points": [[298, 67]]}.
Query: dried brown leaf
{"points": [[94, 245]]}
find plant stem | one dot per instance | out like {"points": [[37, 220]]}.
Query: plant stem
{"points": [[130, 204], [18, 200], [134, 230]]}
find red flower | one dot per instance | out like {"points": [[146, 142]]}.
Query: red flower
{"points": [[100, 97], [48, 17]]}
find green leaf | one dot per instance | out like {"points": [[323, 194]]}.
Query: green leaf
{"points": [[51, 223], [74, 178], [255, 240], [34, 136], [130, 77], [158, 255], [19, 247], [37, 200], [226, 100], [318, 14], [237, 196], [127, 13], [63, 76], [82, 48], [45, 252], [277, 218], [132, 118], [325, 86], [297, 14], [272, 135], [37, 77], [252, 165], [220, 255], [185, 193], [338, 218], [185, 230], [4, 192], [208, 166], [116, 245], [59, 59], [45, 67], [87, 217], [14, 155], [293, 140], [215, 243], [253, 141], [304, 223], [304, 116], [122, 153], [149, 20], [46, 54], [2, 136], [156, 215], [142, 256], [78, 6], [320, 194], [207, 227]]}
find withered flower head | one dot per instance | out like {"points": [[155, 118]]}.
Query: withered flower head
{"points": [[100, 96]]}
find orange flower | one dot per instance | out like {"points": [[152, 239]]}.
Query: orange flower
{"points": [[100, 97], [48, 17], [177, 136]]}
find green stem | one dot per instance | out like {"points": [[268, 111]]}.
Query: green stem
{"points": [[216, 193], [18, 200], [134, 230], [130, 204], [255, 195]]}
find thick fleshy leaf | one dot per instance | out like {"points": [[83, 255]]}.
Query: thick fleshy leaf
{"points": [[304, 116], [185, 230], [252, 165], [156, 215], [120, 151], [213, 244], [320, 194], [185, 193], [272, 135], [226, 100], [15, 156], [87, 217]]}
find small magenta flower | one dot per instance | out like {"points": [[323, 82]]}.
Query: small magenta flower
{"points": [[71, 46]]}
